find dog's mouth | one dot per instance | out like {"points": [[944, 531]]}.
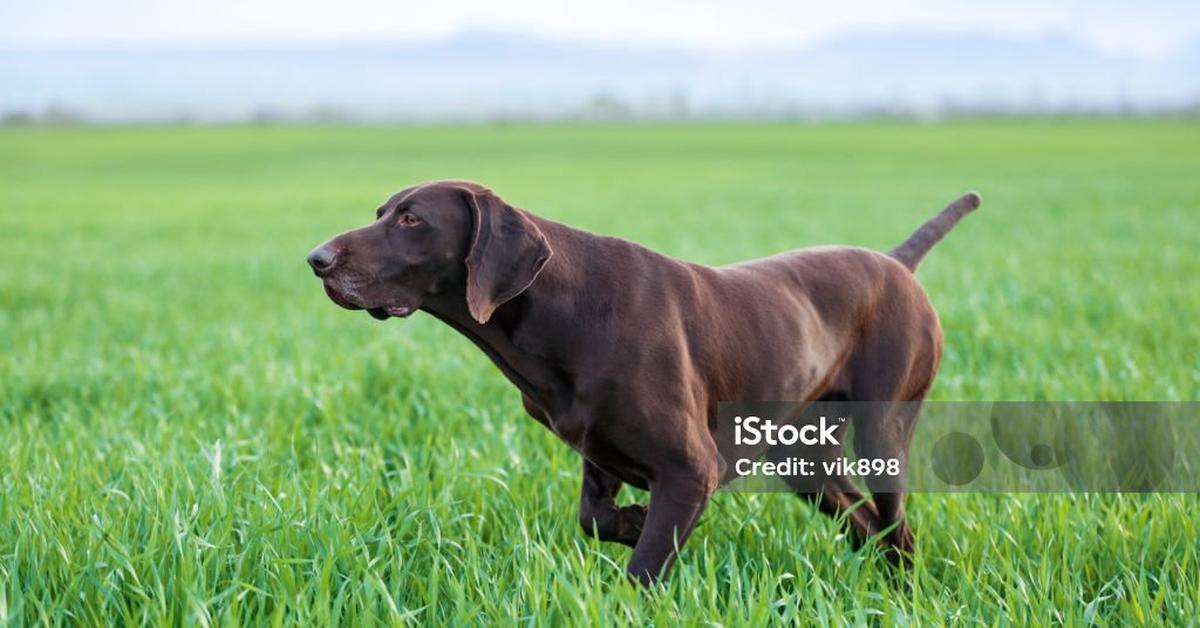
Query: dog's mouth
{"points": [[382, 312], [339, 298]]}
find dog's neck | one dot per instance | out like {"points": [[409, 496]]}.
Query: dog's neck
{"points": [[504, 338], [495, 340]]}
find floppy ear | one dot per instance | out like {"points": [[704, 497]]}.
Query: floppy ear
{"points": [[507, 253]]}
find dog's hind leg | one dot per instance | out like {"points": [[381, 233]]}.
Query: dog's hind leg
{"points": [[837, 496], [890, 375], [883, 431]]}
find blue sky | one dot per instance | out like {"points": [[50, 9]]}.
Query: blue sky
{"points": [[1147, 28]]}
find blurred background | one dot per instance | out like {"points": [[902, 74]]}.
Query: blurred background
{"points": [[472, 60]]}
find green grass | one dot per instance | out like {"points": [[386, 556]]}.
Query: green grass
{"points": [[192, 433]]}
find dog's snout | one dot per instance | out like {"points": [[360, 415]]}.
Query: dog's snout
{"points": [[322, 258]]}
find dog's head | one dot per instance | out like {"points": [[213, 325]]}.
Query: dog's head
{"points": [[431, 239]]}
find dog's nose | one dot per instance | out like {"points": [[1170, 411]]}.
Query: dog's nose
{"points": [[321, 259]]}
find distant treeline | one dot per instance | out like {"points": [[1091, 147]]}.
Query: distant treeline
{"points": [[599, 109]]}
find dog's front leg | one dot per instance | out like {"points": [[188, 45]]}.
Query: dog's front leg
{"points": [[598, 511], [676, 501]]}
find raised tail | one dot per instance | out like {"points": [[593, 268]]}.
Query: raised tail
{"points": [[911, 251]]}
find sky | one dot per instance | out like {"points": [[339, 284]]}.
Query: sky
{"points": [[1147, 28]]}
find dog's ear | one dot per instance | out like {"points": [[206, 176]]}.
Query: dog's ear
{"points": [[506, 254]]}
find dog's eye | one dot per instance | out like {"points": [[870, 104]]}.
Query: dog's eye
{"points": [[408, 220]]}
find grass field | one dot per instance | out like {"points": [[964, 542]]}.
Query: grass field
{"points": [[192, 433]]}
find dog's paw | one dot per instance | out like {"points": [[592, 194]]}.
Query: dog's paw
{"points": [[630, 521]]}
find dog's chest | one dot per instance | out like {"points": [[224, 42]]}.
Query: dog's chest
{"points": [[570, 430], [596, 445]]}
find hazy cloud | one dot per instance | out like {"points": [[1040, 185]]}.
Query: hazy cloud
{"points": [[1148, 28]]}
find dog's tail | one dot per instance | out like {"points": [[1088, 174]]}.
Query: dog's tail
{"points": [[912, 250]]}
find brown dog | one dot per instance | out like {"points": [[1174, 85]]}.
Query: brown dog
{"points": [[625, 353]]}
